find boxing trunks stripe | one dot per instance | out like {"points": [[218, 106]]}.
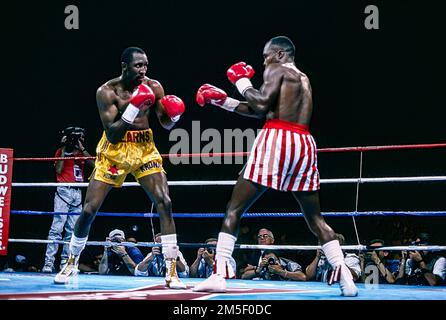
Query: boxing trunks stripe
{"points": [[283, 157]]}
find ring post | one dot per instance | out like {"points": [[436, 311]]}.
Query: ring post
{"points": [[6, 160]]}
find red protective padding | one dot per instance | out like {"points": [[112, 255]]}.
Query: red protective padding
{"points": [[6, 160]]}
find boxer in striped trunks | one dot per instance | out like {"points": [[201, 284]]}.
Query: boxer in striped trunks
{"points": [[283, 156]]}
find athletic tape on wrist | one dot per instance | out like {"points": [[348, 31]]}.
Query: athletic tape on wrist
{"points": [[243, 84], [130, 113], [230, 104]]}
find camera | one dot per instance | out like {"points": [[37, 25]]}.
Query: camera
{"points": [[116, 239], [73, 134], [264, 272], [272, 261]]}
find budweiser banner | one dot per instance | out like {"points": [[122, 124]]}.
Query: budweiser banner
{"points": [[5, 197]]}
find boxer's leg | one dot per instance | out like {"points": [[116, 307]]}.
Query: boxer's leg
{"points": [[244, 194], [156, 187], [309, 203]]}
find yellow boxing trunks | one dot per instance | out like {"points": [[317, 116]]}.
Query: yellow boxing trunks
{"points": [[135, 154]]}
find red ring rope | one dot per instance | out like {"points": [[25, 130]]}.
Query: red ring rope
{"points": [[243, 154]]}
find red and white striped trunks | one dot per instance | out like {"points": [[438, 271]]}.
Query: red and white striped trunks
{"points": [[283, 157]]}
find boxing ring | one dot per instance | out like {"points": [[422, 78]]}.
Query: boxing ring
{"points": [[36, 286]]}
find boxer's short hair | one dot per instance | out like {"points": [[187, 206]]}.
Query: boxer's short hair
{"points": [[127, 54]]}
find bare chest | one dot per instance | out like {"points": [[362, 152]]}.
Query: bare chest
{"points": [[122, 99]]}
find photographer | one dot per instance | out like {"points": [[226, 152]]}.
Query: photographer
{"points": [[154, 264], [321, 270], [379, 259], [203, 265], [424, 267], [119, 260], [273, 267], [67, 199]]}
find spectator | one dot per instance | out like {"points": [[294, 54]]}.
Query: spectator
{"points": [[264, 237], [20, 264], [273, 267], [67, 199], [92, 265], [320, 269], [154, 264], [203, 265], [379, 259], [424, 267], [119, 260]]}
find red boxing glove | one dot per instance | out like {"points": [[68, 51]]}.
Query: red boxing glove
{"points": [[239, 74], [174, 107], [143, 96], [208, 93]]}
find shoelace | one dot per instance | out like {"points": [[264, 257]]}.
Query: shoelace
{"points": [[173, 269]]}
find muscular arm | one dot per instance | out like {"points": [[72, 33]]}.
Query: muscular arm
{"points": [[115, 130], [259, 102], [245, 110]]}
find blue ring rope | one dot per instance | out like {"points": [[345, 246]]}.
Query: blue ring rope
{"points": [[246, 215]]}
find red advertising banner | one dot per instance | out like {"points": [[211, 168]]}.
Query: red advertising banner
{"points": [[5, 197]]}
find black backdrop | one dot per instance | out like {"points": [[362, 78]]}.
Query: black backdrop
{"points": [[371, 87]]}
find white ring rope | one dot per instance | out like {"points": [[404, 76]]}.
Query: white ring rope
{"points": [[232, 182], [243, 246]]}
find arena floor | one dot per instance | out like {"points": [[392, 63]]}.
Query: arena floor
{"points": [[39, 286]]}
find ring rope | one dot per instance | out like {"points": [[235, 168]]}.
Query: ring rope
{"points": [[240, 246], [357, 198], [242, 154], [232, 182], [245, 215]]}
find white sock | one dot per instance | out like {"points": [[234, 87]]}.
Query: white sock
{"points": [[225, 247], [168, 241], [333, 252], [77, 245]]}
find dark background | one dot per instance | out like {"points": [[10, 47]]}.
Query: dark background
{"points": [[371, 87]]}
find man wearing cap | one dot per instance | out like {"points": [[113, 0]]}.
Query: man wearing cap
{"points": [[119, 260]]}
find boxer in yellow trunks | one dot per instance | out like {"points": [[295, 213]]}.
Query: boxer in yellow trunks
{"points": [[124, 105]]}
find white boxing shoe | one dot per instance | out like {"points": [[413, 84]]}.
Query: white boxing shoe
{"points": [[215, 283], [343, 275], [69, 271], [172, 279]]}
